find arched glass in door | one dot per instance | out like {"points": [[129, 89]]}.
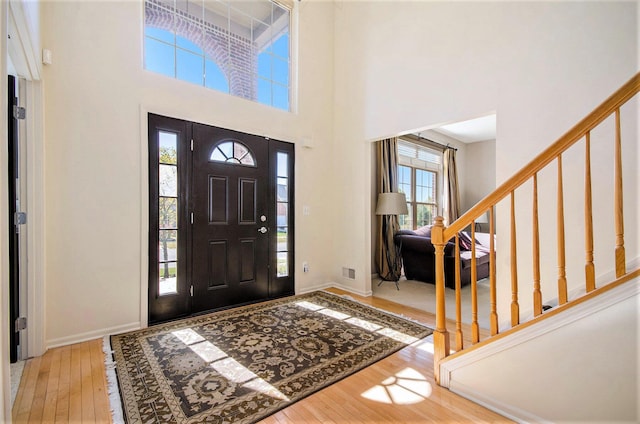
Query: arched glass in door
{"points": [[232, 152]]}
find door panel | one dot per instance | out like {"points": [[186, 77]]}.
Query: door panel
{"points": [[218, 200], [227, 196]]}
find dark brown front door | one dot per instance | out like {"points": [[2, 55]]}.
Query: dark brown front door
{"points": [[220, 218], [229, 194]]}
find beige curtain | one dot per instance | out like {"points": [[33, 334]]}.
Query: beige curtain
{"points": [[451, 195], [388, 260]]}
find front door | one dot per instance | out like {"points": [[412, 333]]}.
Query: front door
{"points": [[220, 221], [230, 194]]}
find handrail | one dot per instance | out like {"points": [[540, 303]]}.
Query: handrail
{"points": [[440, 234], [592, 120]]}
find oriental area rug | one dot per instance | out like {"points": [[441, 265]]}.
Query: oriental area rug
{"points": [[243, 364]]}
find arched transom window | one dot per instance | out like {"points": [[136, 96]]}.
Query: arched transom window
{"points": [[232, 152]]}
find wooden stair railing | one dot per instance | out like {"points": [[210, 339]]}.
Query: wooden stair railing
{"points": [[440, 234]]}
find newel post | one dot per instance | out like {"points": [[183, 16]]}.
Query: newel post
{"points": [[440, 335]]}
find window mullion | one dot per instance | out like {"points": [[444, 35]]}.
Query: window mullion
{"points": [[414, 199]]}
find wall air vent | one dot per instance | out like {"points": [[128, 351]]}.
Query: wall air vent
{"points": [[349, 273]]}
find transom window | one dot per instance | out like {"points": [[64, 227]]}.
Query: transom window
{"points": [[237, 47], [419, 179], [232, 152]]}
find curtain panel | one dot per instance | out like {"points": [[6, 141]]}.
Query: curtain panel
{"points": [[387, 257], [452, 194]]}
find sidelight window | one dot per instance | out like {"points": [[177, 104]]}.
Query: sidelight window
{"points": [[168, 212], [282, 212]]}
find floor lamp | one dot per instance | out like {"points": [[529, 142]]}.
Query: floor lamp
{"points": [[392, 204]]}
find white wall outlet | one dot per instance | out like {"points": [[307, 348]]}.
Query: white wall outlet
{"points": [[305, 266]]}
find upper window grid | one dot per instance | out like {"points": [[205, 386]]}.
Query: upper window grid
{"points": [[232, 152], [419, 169], [268, 58]]}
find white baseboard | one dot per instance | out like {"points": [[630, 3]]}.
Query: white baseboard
{"points": [[91, 335], [366, 293], [315, 287], [330, 284]]}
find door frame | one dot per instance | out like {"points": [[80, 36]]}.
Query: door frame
{"points": [[32, 244], [275, 146]]}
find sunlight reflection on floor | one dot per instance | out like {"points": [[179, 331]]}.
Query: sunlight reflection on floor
{"points": [[405, 388], [425, 345]]}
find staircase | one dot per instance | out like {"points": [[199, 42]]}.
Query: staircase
{"points": [[603, 127]]}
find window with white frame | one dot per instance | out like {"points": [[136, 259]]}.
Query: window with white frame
{"points": [[419, 171], [237, 47]]}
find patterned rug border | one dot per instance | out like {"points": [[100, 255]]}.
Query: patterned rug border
{"points": [[119, 411]]}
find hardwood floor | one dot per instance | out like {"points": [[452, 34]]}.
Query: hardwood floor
{"points": [[65, 385], [68, 385]]}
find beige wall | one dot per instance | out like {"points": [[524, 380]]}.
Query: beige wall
{"points": [[540, 67], [480, 177], [96, 98]]}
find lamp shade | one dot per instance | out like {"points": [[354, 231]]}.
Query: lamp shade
{"points": [[392, 204]]}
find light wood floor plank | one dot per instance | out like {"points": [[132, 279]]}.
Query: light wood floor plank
{"points": [[26, 391], [62, 407], [51, 394], [98, 373], [75, 384], [88, 408], [39, 394], [73, 377], [20, 394]]}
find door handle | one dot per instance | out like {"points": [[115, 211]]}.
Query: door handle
{"points": [[262, 230]]}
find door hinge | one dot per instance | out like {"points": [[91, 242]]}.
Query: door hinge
{"points": [[191, 290], [19, 112], [192, 144], [20, 218], [191, 217], [20, 324]]}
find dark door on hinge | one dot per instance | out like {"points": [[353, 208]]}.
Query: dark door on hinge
{"points": [[229, 193], [14, 246], [221, 221]]}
